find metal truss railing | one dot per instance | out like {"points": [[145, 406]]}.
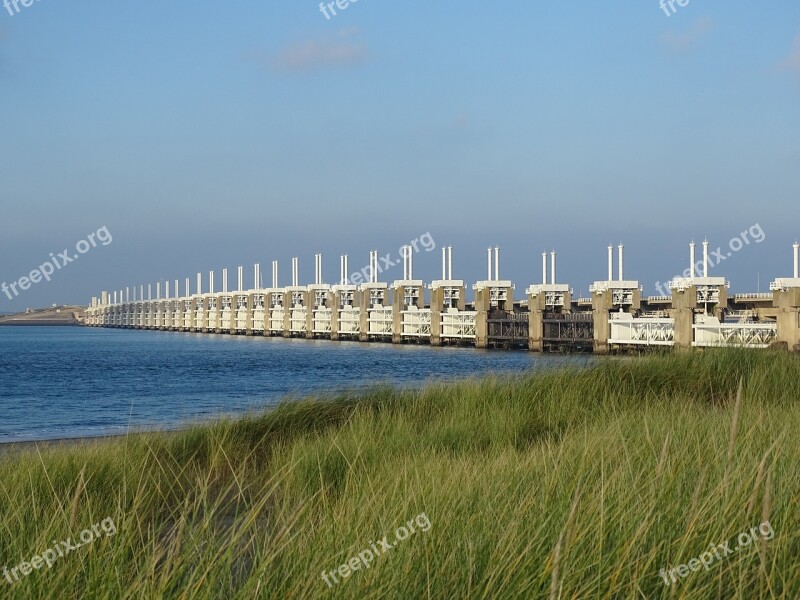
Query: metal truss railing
{"points": [[644, 332], [322, 320], [276, 317], [297, 320], [749, 335], [458, 325], [416, 323], [349, 321], [380, 321]]}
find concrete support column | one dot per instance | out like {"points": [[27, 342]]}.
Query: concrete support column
{"points": [[603, 304], [684, 304], [600, 316], [538, 307], [193, 320], [535, 325], [226, 322], [789, 329], [397, 314], [334, 299], [204, 321], [288, 306], [482, 329], [250, 312], [310, 298], [788, 305], [438, 308], [684, 308], [364, 302], [267, 314], [482, 306], [229, 327], [437, 303], [218, 315]]}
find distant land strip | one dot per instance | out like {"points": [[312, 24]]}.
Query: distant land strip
{"points": [[55, 316]]}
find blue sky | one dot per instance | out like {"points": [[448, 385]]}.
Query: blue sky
{"points": [[207, 135]]}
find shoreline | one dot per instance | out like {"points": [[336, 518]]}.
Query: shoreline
{"points": [[12, 447], [40, 323]]}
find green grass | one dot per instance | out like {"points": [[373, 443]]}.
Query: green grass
{"points": [[564, 484]]}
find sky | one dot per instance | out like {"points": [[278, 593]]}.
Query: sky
{"points": [[207, 135]]}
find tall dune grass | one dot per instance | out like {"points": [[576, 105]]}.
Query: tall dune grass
{"points": [[572, 483]]}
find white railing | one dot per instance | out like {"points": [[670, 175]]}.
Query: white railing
{"points": [[709, 332], [225, 318], [625, 329], [276, 316], [380, 321], [349, 321], [322, 319], [241, 319], [753, 296], [259, 319], [416, 323], [297, 320], [784, 283], [458, 325], [683, 283]]}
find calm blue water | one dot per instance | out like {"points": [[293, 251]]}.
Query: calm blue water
{"points": [[58, 382]]}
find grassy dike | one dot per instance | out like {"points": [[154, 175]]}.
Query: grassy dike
{"points": [[563, 484]]}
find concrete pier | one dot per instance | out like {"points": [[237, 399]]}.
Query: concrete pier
{"points": [[549, 299], [787, 301], [696, 300], [786, 293], [617, 297]]}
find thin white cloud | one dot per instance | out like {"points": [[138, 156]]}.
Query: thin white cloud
{"points": [[345, 49], [683, 40], [792, 62]]}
